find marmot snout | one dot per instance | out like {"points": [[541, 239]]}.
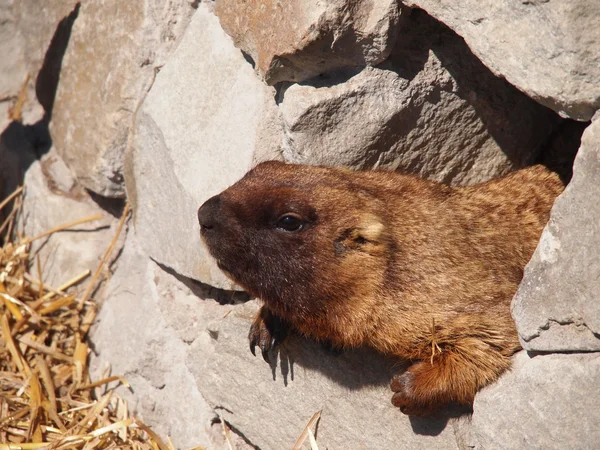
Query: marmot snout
{"points": [[412, 268]]}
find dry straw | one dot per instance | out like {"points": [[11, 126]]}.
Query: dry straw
{"points": [[47, 396]]}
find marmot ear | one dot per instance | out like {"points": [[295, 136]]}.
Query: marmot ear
{"points": [[370, 229], [368, 236]]}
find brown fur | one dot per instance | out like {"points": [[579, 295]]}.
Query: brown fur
{"points": [[410, 267]]}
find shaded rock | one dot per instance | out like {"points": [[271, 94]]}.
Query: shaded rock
{"points": [[547, 49], [293, 41], [548, 402], [113, 53], [556, 307], [197, 132], [431, 109]]}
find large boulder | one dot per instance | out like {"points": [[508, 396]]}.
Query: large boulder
{"points": [[431, 109], [204, 122], [556, 307], [548, 49], [114, 52], [548, 401], [293, 41]]}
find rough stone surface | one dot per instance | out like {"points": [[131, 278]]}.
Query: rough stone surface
{"points": [[351, 390], [431, 109], [114, 51], [549, 402], [548, 49], [197, 132], [293, 41], [556, 307], [68, 253], [36, 31], [13, 67], [132, 337], [25, 58]]}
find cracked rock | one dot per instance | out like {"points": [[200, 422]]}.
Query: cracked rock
{"points": [[556, 307], [431, 109], [294, 41]]}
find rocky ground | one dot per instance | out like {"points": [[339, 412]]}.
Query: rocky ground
{"points": [[166, 103]]}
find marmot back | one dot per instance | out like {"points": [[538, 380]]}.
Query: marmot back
{"points": [[410, 267]]}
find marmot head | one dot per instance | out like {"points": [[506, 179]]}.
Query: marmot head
{"points": [[298, 237]]}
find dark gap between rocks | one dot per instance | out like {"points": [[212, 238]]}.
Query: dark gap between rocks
{"points": [[248, 59], [112, 205]]}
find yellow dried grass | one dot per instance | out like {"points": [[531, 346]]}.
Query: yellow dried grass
{"points": [[47, 396]]}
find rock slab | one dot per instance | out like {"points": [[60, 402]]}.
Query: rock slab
{"points": [[431, 109], [113, 52], [197, 132], [294, 41], [548, 49], [548, 402], [131, 337], [556, 307], [271, 403], [52, 199]]}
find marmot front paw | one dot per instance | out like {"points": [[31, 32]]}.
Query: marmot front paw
{"points": [[267, 332]]}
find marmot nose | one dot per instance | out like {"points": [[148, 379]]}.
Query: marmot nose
{"points": [[207, 213]]}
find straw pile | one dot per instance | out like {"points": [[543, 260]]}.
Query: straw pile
{"points": [[47, 396]]}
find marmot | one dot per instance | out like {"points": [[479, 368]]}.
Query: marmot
{"points": [[412, 268]]}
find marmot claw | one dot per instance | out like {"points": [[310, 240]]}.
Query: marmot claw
{"points": [[267, 332]]}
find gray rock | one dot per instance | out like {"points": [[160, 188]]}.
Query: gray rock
{"points": [[131, 337], [556, 307], [548, 49], [66, 254], [197, 132], [114, 51], [431, 109], [25, 38], [546, 402], [13, 67], [294, 41], [271, 404]]}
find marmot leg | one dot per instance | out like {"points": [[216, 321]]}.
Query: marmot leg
{"points": [[453, 375]]}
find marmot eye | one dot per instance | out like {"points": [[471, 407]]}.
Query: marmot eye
{"points": [[290, 222]]}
